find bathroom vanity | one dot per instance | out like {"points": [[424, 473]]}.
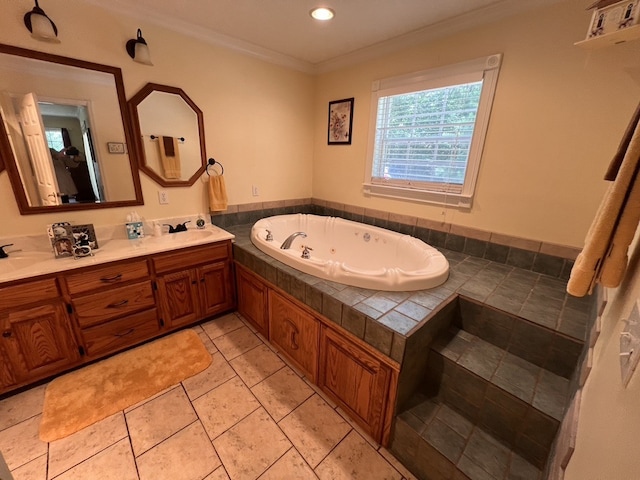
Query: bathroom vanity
{"points": [[123, 296]]}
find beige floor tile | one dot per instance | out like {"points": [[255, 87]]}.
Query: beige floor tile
{"points": [[355, 459], [251, 446], [218, 474], [314, 428], [281, 393], [74, 449], [211, 348], [20, 443], [34, 470], [220, 326], [237, 342], [21, 406], [114, 463], [158, 419], [358, 428], [256, 364], [319, 391], [225, 406], [216, 374], [187, 455], [290, 465], [395, 463]]}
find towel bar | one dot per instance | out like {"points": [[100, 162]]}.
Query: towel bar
{"points": [[213, 162], [154, 137]]}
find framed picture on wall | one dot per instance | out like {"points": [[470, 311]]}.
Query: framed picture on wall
{"points": [[340, 122]]}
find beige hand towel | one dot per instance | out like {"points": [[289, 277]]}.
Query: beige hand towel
{"points": [[217, 194], [604, 256], [170, 157]]}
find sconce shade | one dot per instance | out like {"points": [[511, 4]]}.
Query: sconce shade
{"points": [[41, 26], [138, 49]]}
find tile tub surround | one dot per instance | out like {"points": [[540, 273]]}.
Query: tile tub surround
{"points": [[526, 314], [385, 320], [540, 257]]}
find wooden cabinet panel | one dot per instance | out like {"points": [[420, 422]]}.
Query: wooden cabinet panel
{"points": [[102, 277], [38, 340], [117, 302], [27, 293], [252, 300], [216, 288], [295, 332], [178, 294], [192, 257], [355, 379], [118, 334], [7, 375]]}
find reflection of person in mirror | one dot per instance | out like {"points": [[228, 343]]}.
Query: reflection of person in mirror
{"points": [[71, 165], [62, 166]]}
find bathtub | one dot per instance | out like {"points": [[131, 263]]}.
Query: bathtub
{"points": [[352, 253]]}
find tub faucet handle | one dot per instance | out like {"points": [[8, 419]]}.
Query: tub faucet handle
{"points": [[305, 252], [269, 237]]}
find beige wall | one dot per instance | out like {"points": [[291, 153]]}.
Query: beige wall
{"points": [[607, 442], [258, 116], [558, 114]]}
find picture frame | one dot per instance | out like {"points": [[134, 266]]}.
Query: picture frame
{"points": [[340, 122]]}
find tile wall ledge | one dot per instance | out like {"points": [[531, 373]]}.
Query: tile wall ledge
{"points": [[349, 211]]}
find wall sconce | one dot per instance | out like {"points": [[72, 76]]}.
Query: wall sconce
{"points": [[41, 26], [138, 49]]}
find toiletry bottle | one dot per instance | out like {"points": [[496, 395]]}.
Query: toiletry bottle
{"points": [[200, 223], [157, 229]]}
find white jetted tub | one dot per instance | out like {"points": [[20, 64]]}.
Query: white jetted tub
{"points": [[352, 253]]}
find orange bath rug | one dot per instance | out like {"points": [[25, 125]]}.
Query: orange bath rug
{"points": [[81, 398]]}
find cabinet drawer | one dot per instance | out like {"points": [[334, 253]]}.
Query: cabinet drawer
{"points": [[25, 293], [295, 332], [104, 276], [121, 333], [190, 257], [99, 307]]}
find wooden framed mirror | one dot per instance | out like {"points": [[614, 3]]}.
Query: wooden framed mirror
{"points": [[64, 133], [169, 135]]}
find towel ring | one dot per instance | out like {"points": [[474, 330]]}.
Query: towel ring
{"points": [[213, 162], [154, 137]]}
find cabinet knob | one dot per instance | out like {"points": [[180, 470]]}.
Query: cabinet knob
{"points": [[6, 333]]}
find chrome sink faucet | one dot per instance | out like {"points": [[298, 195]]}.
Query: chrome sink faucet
{"points": [[287, 243]]}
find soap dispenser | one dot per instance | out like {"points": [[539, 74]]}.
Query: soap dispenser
{"points": [[200, 223]]}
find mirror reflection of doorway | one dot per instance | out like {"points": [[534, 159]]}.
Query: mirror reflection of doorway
{"points": [[68, 136]]}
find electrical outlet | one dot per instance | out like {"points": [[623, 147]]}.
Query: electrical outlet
{"points": [[163, 197], [254, 190]]}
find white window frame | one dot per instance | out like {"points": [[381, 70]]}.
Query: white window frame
{"points": [[485, 68]]}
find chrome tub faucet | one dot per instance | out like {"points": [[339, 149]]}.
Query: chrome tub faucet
{"points": [[287, 243]]}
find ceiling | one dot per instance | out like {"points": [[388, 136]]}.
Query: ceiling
{"points": [[282, 31]]}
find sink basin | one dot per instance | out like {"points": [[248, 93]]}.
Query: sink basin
{"points": [[183, 237], [20, 260]]}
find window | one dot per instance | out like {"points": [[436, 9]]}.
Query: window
{"points": [[428, 130], [55, 139]]}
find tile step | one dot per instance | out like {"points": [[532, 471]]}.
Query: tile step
{"points": [[533, 385], [436, 442]]}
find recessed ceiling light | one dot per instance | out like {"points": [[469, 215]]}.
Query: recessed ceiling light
{"points": [[322, 13]]}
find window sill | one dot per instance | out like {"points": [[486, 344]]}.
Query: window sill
{"points": [[420, 196]]}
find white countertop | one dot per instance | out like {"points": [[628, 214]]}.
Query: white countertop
{"points": [[26, 262]]}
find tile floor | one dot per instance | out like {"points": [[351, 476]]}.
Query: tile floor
{"points": [[248, 416]]}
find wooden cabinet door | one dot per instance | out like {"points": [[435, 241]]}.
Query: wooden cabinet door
{"points": [[252, 301], [178, 294], [7, 374], [38, 340], [216, 288], [355, 379], [295, 332]]}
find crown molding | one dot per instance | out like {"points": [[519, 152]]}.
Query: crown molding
{"points": [[466, 21], [488, 14]]}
